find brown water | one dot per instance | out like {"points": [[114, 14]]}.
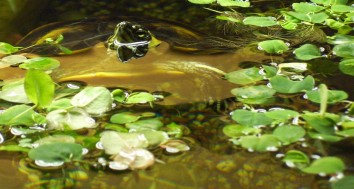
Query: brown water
{"points": [[187, 77]]}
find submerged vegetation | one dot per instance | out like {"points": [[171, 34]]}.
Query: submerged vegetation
{"points": [[278, 107]]}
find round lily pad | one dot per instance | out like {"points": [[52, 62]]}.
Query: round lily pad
{"points": [[56, 152], [326, 165], [275, 46]]}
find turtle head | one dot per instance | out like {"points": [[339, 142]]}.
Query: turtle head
{"points": [[130, 40]]}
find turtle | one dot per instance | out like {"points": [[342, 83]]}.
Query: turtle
{"points": [[139, 54]]}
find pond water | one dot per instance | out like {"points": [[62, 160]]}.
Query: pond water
{"points": [[201, 122], [212, 162]]}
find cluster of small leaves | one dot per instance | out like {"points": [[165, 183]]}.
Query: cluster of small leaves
{"points": [[128, 136], [343, 47], [334, 14], [71, 107], [261, 130]]}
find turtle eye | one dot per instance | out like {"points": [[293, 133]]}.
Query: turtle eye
{"points": [[141, 33]]}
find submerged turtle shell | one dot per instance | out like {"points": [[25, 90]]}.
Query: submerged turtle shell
{"points": [[187, 77]]}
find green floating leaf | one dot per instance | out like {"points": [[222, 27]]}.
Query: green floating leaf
{"points": [[296, 157], [119, 95], [13, 59], [40, 63], [14, 92], [175, 146], [244, 76], [124, 117], [348, 123], [292, 67], [344, 50], [260, 144], [307, 7], [18, 115], [309, 17], [326, 165], [69, 119], [202, 1], [334, 24], [281, 115], [333, 96], [349, 17], [6, 48], [340, 39], [322, 123], [115, 127], [154, 138], [270, 71], [347, 66], [342, 8], [260, 21], [273, 46], [139, 97], [289, 22], [67, 89], [307, 52], [234, 3], [284, 85], [95, 100], [154, 124], [346, 133], [259, 91], [288, 25], [325, 137], [39, 87], [239, 130], [114, 142], [345, 183], [56, 152], [249, 118], [176, 130], [19, 130], [63, 103], [260, 94], [289, 134]]}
